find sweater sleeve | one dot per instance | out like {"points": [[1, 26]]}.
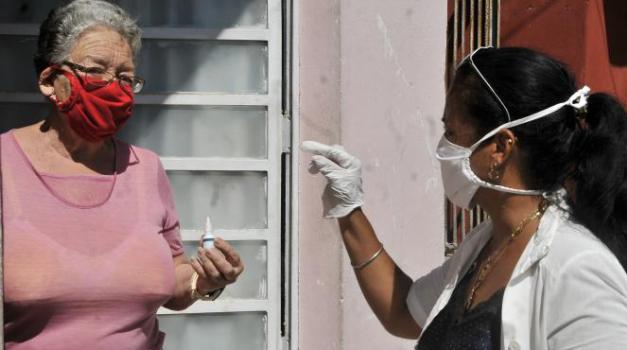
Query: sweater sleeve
{"points": [[170, 225]]}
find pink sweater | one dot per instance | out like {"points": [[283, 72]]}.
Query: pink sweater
{"points": [[88, 259]]}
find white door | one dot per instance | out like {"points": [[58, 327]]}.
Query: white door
{"points": [[211, 108]]}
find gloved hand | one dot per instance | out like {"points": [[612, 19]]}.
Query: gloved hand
{"points": [[343, 171]]}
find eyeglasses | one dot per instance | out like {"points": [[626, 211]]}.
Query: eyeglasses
{"points": [[100, 77]]}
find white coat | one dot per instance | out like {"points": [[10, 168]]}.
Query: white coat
{"points": [[567, 291]]}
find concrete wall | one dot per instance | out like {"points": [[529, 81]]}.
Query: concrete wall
{"points": [[319, 117], [371, 78]]}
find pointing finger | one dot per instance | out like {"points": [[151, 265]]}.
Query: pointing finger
{"points": [[314, 147], [324, 165]]}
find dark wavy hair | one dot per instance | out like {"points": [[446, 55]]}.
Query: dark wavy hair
{"points": [[588, 150]]}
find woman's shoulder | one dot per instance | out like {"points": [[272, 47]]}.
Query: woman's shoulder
{"points": [[138, 157], [140, 153], [584, 291], [576, 248], [572, 237], [477, 236]]}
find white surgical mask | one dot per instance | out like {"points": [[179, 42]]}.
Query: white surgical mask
{"points": [[460, 182]]}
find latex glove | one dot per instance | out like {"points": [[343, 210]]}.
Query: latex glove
{"points": [[343, 171]]}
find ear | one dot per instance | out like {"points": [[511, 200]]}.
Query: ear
{"points": [[53, 85], [505, 141], [46, 82]]}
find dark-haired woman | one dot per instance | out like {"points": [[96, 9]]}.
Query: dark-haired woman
{"points": [[548, 161]]}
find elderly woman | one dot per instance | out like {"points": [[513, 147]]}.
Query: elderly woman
{"points": [[547, 271], [92, 243]]}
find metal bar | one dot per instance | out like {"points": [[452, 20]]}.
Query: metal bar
{"points": [[489, 22], [22, 97], [229, 235], [455, 32], [229, 34], [221, 306], [19, 29], [463, 28], [207, 99], [466, 219], [180, 99], [286, 96], [472, 25], [161, 33], [448, 238], [497, 12], [275, 86], [295, 125], [480, 22], [463, 225], [485, 22], [286, 236], [215, 164], [455, 224]]}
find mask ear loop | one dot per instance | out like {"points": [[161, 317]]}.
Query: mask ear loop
{"points": [[578, 100], [558, 199], [580, 104]]}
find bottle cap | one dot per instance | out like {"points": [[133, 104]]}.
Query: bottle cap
{"points": [[208, 227], [207, 237]]}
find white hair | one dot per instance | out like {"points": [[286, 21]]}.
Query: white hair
{"points": [[65, 24]]}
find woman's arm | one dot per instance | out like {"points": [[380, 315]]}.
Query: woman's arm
{"points": [[383, 283], [182, 292], [217, 267]]}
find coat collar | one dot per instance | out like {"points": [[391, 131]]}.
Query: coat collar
{"points": [[540, 244], [537, 247]]}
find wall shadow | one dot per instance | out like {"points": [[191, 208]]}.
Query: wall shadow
{"points": [[616, 29]]}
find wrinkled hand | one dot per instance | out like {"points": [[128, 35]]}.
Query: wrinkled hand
{"points": [[343, 171], [217, 267]]}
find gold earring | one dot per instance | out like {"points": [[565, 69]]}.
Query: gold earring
{"points": [[493, 174]]}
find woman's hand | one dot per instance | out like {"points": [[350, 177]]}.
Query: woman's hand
{"points": [[217, 267], [343, 171]]}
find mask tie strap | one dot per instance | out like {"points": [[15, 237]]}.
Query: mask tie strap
{"points": [[578, 100], [472, 63]]}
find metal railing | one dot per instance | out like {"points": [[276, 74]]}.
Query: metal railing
{"points": [[472, 23]]}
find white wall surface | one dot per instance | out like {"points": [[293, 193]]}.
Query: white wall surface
{"points": [[372, 79], [319, 118], [393, 57]]}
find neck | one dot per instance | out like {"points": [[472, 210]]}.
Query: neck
{"points": [[507, 211], [60, 137]]}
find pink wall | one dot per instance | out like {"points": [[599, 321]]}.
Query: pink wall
{"points": [[372, 79], [319, 118], [392, 100]]}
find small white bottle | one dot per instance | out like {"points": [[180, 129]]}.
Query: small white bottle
{"points": [[207, 237]]}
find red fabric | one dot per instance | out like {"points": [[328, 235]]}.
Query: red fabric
{"points": [[588, 35], [96, 112]]}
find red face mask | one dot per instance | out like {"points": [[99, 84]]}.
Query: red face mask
{"points": [[96, 111]]}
